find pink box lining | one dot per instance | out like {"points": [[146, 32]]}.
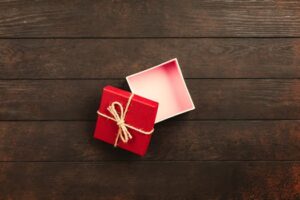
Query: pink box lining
{"points": [[164, 84]]}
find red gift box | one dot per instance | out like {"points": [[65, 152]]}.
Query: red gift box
{"points": [[125, 120]]}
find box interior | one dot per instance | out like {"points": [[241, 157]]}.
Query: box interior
{"points": [[164, 84]]}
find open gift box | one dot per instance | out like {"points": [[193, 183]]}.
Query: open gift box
{"points": [[164, 84], [126, 119]]}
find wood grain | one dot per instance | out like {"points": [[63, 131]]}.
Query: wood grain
{"points": [[118, 58], [161, 180], [174, 140], [214, 99], [241, 61], [109, 18]]}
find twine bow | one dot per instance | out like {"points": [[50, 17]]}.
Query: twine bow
{"points": [[119, 118]]}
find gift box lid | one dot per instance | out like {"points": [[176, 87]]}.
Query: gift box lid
{"points": [[138, 116], [164, 84]]}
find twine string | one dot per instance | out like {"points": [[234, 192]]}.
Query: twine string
{"points": [[119, 118]]}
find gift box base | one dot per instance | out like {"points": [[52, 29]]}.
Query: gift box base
{"points": [[164, 84]]}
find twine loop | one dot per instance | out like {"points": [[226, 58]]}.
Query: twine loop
{"points": [[119, 118]]}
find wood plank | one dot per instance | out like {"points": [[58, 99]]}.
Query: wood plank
{"points": [[117, 58], [174, 140], [192, 18], [214, 99], [166, 180]]}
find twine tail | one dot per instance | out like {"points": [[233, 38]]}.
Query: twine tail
{"points": [[117, 139]]}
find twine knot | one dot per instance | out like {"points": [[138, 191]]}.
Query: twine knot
{"points": [[120, 122], [119, 118]]}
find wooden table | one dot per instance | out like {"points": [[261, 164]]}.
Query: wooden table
{"points": [[241, 61]]}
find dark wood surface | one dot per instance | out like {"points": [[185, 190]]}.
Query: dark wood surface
{"points": [[148, 180], [241, 61], [102, 58], [135, 18], [212, 140], [214, 98]]}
